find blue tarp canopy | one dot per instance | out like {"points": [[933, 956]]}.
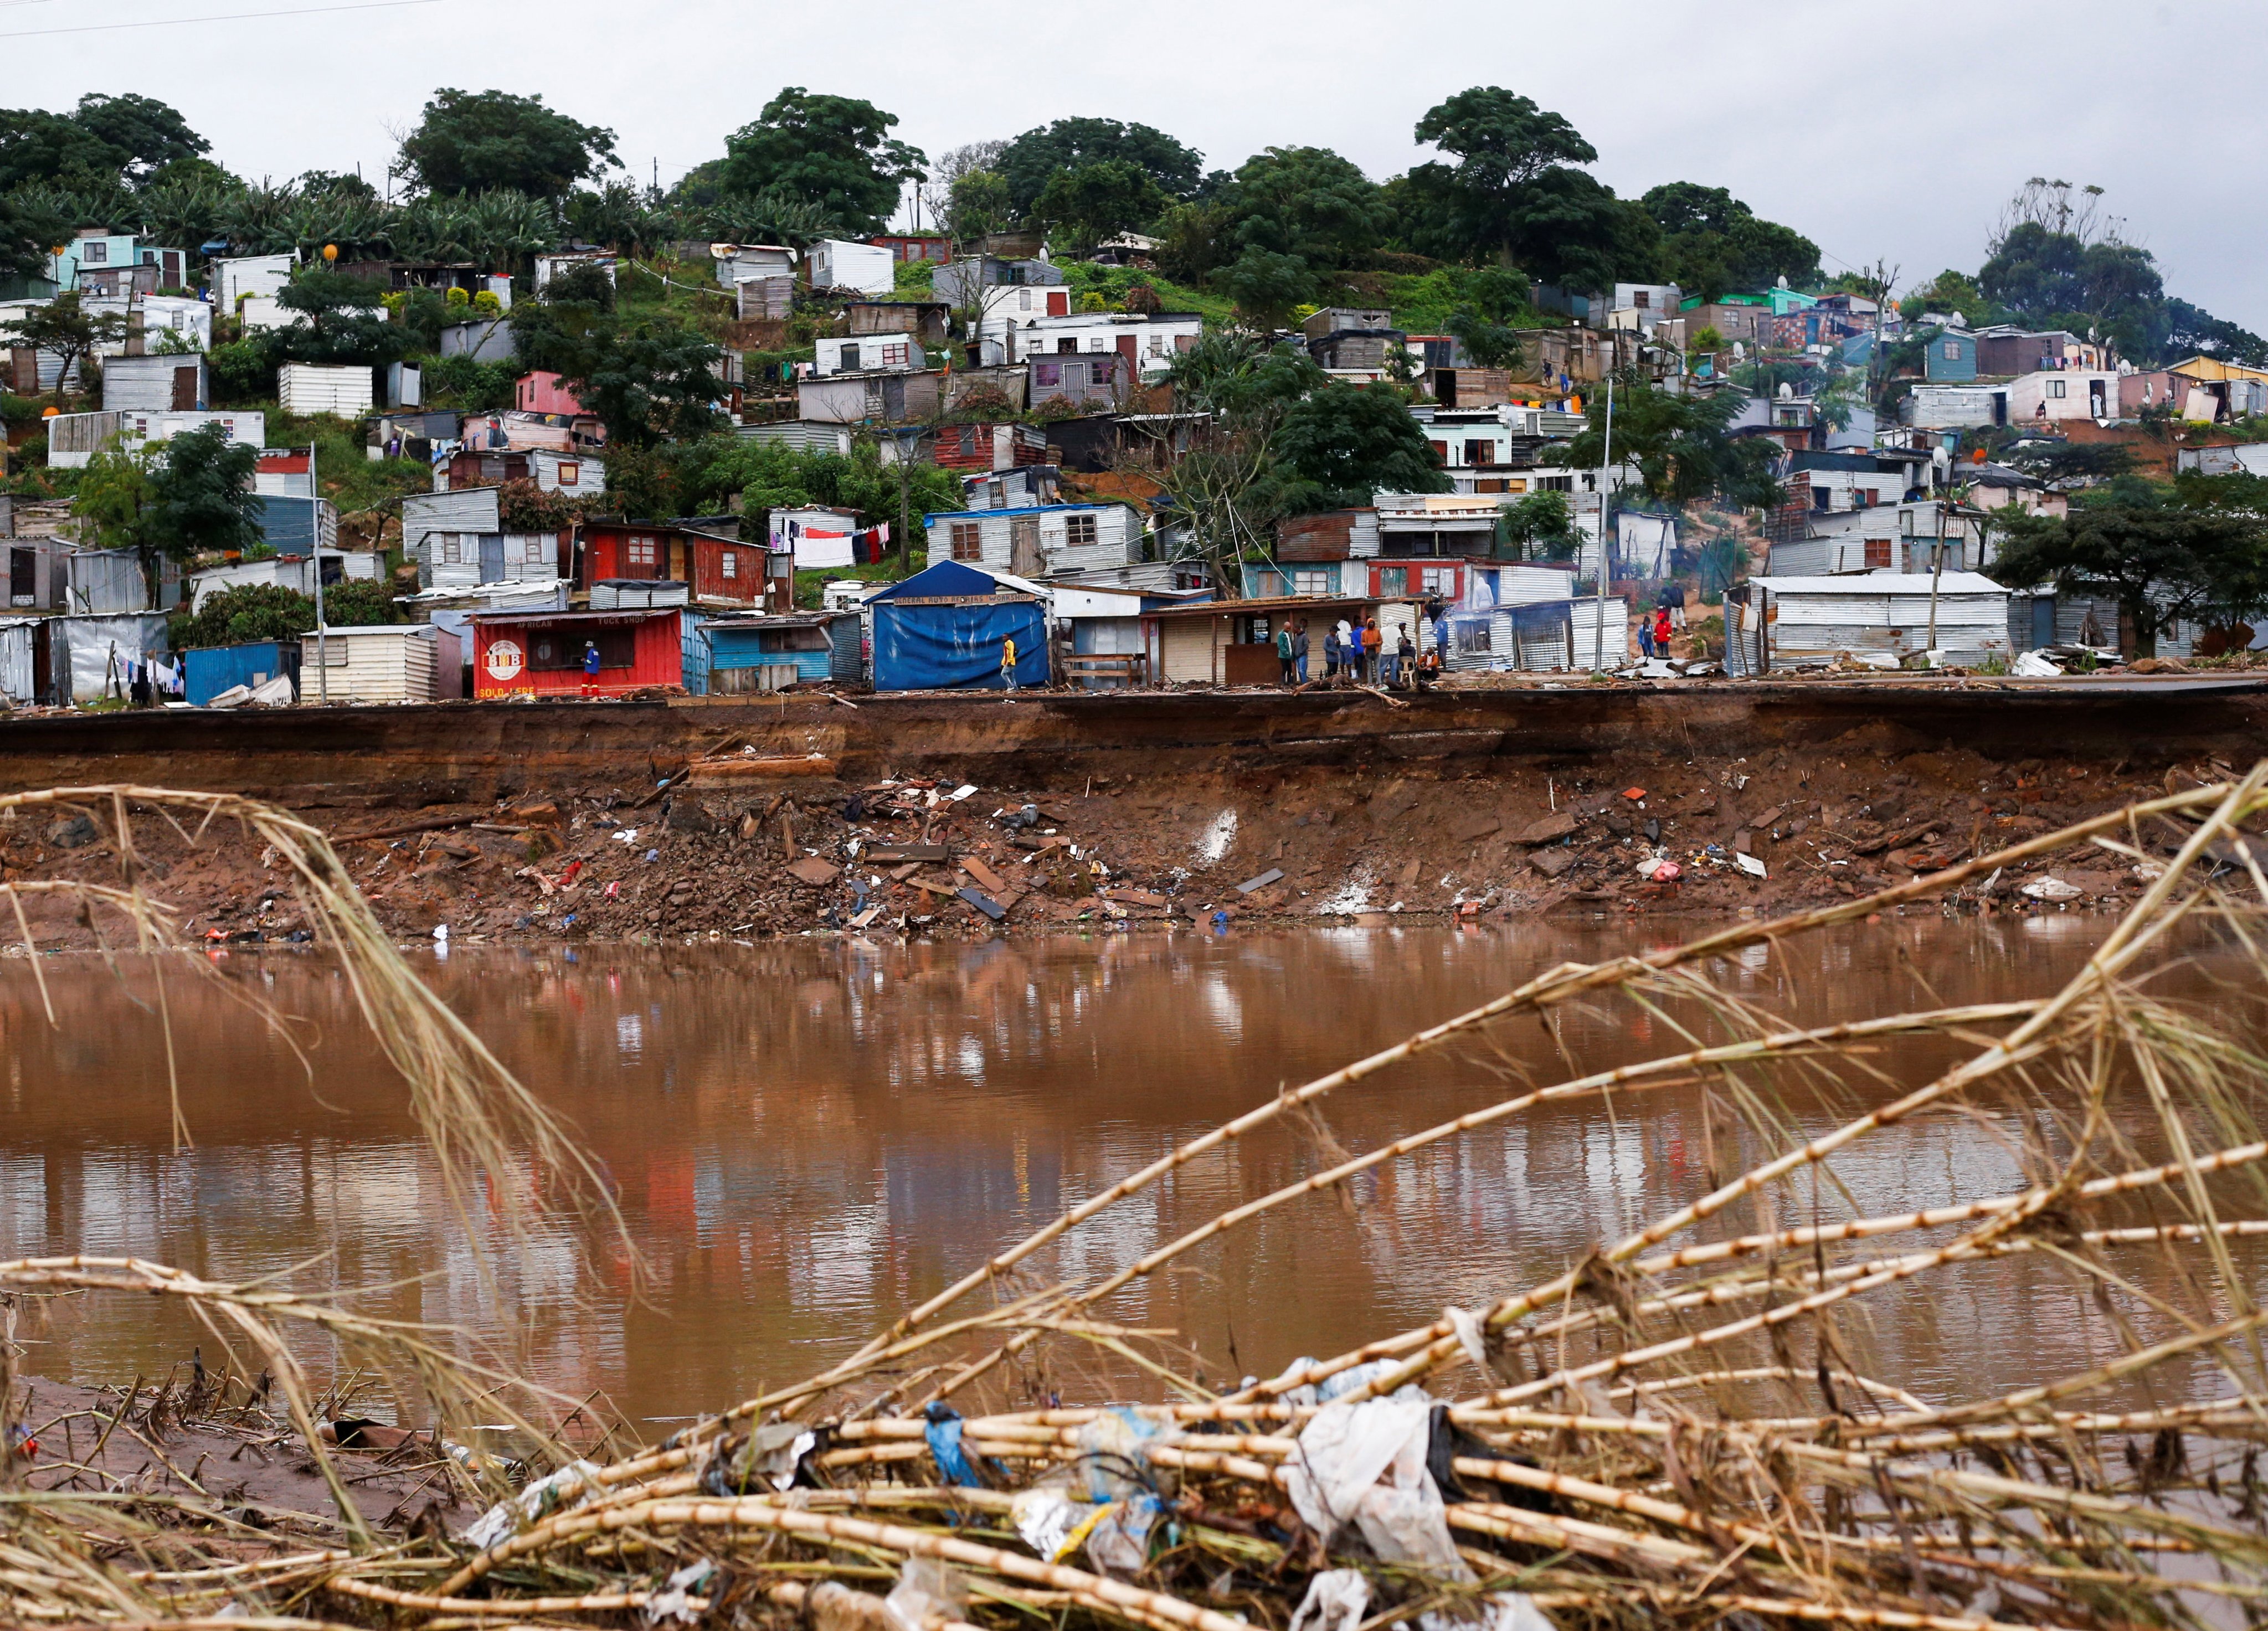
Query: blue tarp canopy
{"points": [[954, 641], [947, 578]]}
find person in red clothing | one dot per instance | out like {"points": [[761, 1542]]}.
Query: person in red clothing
{"points": [[1661, 631]]}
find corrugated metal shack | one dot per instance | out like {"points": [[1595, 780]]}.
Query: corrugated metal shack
{"points": [[155, 385], [311, 388], [382, 663], [104, 581], [91, 657], [296, 526], [1040, 539], [23, 658], [1881, 618], [540, 653], [208, 671], [816, 646], [468, 560], [2040, 618]]}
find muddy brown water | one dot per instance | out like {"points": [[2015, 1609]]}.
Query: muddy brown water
{"points": [[806, 1136]]}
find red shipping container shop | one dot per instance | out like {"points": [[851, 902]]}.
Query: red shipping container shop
{"points": [[518, 653], [715, 567]]}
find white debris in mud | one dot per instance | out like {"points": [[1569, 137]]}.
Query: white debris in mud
{"points": [[1351, 897], [1218, 838]]}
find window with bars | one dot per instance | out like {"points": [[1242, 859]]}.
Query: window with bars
{"points": [[894, 355], [641, 552], [967, 541], [1437, 580], [1878, 552], [731, 567], [1079, 529]]}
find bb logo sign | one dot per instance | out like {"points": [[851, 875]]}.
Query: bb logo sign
{"points": [[505, 659]]}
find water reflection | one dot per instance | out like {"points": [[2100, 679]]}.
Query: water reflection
{"points": [[807, 1136]]}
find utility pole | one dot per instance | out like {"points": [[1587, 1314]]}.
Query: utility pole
{"points": [[315, 532], [1936, 573], [1606, 476]]}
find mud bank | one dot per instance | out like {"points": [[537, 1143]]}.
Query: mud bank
{"points": [[616, 820]]}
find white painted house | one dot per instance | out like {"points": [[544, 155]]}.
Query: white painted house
{"points": [[1014, 332], [2062, 393], [1038, 540], [839, 264], [868, 354]]}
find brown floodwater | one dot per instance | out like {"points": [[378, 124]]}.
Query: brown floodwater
{"points": [[806, 1136]]}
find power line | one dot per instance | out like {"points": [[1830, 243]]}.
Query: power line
{"points": [[232, 17]]}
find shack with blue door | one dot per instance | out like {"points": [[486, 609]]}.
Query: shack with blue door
{"points": [[210, 670], [819, 646], [944, 629]]}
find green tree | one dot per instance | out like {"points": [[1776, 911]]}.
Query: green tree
{"points": [[1504, 144], [346, 319], [642, 482], [200, 500], [1266, 286], [492, 141], [1096, 201], [2162, 563], [1230, 485], [1565, 226], [67, 328], [38, 146], [834, 152], [1712, 243], [1539, 527], [1029, 161], [1496, 298], [113, 498], [649, 379], [150, 133], [2191, 331], [30, 227], [1679, 444], [976, 205], [1305, 201], [245, 613], [2051, 279], [1342, 443]]}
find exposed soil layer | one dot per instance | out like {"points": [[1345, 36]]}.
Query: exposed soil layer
{"points": [[769, 816]]}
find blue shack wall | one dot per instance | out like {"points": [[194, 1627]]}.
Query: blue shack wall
{"points": [[957, 645], [694, 640], [208, 671], [742, 646]]}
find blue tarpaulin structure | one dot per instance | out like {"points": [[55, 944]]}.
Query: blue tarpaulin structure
{"points": [[208, 671], [942, 629]]}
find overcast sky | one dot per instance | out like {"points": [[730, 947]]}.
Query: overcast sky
{"points": [[1894, 132]]}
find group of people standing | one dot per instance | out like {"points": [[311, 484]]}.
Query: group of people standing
{"points": [[1367, 655], [1668, 618]]}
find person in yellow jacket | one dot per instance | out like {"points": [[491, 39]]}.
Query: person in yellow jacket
{"points": [[1008, 661]]}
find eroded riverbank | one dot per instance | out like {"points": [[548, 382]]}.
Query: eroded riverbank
{"points": [[646, 821]]}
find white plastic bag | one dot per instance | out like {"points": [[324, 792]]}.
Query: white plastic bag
{"points": [[1118, 1542], [1336, 1601], [927, 1590], [1363, 1462], [569, 1485]]}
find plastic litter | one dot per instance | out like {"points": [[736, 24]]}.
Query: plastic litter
{"points": [[1049, 1520], [674, 1600], [927, 1590], [566, 1487], [2051, 888], [1336, 1601], [1118, 1541], [2032, 665], [1363, 1461], [943, 1433], [1749, 864], [1501, 1610], [1113, 1452]]}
